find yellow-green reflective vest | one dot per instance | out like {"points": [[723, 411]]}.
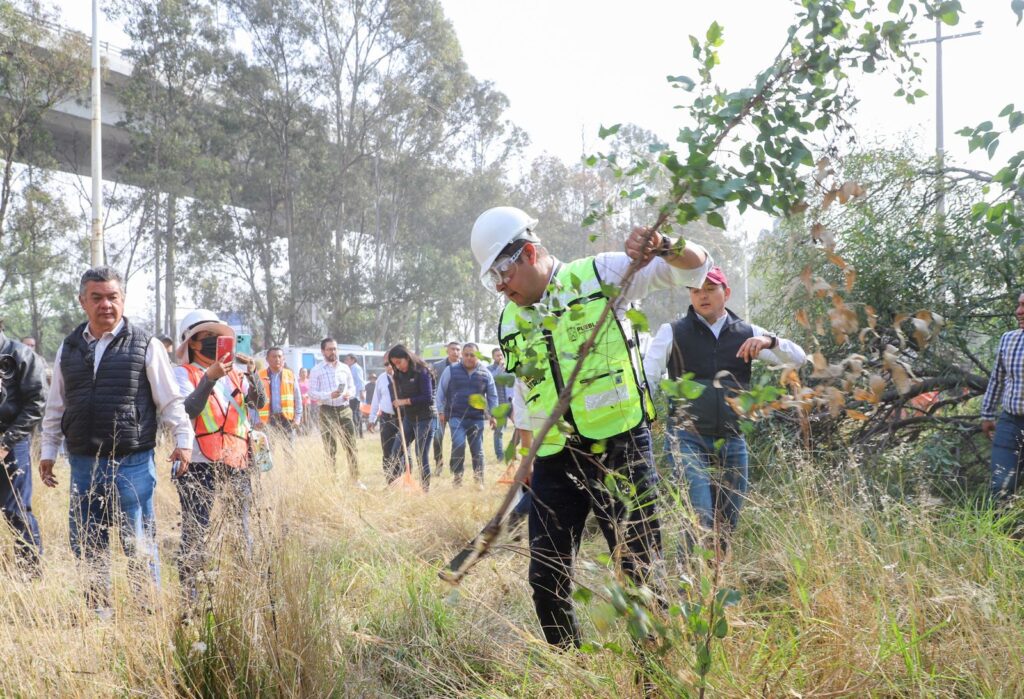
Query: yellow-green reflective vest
{"points": [[541, 344]]}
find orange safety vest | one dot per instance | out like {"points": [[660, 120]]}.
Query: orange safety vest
{"points": [[287, 394], [222, 429]]}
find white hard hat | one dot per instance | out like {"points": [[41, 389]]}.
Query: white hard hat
{"points": [[197, 321], [494, 230]]}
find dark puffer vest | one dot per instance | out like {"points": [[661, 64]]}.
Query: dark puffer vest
{"points": [[695, 349], [111, 413], [462, 385]]}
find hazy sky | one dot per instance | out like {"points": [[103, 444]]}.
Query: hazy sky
{"points": [[570, 66]]}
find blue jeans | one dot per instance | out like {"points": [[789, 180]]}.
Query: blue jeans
{"points": [[463, 429], [16, 502], [692, 457], [499, 444], [99, 488], [1006, 455]]}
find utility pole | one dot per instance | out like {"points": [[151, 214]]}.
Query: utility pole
{"points": [[940, 153], [96, 256]]}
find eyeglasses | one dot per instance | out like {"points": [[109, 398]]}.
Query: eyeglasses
{"points": [[500, 272]]}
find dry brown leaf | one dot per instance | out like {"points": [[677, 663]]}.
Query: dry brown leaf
{"points": [[836, 260], [856, 415], [851, 278], [830, 196], [872, 315], [801, 318], [877, 385], [799, 207], [866, 396]]}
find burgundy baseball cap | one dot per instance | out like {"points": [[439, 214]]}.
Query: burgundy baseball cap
{"points": [[717, 276]]}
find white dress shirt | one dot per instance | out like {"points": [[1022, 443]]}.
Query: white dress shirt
{"points": [[326, 378], [381, 400], [611, 268], [656, 360], [164, 387]]}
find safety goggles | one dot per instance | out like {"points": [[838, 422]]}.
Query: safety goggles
{"points": [[501, 271]]}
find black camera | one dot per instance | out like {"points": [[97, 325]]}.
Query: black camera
{"points": [[8, 367]]}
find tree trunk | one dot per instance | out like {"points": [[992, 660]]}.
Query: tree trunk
{"points": [[169, 265], [156, 280]]}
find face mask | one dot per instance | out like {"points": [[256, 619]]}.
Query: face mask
{"points": [[209, 347]]}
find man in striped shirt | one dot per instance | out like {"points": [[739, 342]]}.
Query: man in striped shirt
{"points": [[1005, 393], [331, 385]]}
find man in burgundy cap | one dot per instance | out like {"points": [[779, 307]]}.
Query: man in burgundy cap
{"points": [[708, 340]]}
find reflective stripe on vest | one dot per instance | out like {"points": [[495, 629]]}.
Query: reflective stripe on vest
{"points": [[608, 399], [222, 429], [287, 394]]}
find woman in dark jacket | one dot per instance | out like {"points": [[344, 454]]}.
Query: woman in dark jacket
{"points": [[414, 390]]}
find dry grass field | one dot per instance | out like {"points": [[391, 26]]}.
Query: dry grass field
{"points": [[840, 596]]}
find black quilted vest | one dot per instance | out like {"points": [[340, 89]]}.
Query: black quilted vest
{"points": [[695, 349], [111, 413]]}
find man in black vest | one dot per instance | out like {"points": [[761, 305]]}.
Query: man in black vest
{"points": [[708, 340], [112, 385], [21, 409], [456, 406]]}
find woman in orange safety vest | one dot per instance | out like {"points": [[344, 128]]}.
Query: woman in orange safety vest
{"points": [[217, 399]]}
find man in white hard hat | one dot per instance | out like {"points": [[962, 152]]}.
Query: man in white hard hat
{"points": [[609, 413], [217, 399]]}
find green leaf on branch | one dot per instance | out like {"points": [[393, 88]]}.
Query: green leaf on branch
{"points": [[477, 401], [683, 82], [714, 34], [610, 131], [639, 320], [716, 220]]}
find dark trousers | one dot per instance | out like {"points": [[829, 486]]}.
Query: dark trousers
{"points": [[438, 439], [390, 446], [336, 424], [418, 432], [357, 416], [16, 502], [566, 488], [282, 425], [197, 490]]}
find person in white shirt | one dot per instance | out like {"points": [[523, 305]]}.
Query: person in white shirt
{"points": [[382, 408], [112, 384], [609, 412], [331, 385], [717, 347]]}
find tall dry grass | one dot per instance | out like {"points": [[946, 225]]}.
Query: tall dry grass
{"points": [[841, 596]]}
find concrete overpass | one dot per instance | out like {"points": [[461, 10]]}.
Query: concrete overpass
{"points": [[68, 123]]}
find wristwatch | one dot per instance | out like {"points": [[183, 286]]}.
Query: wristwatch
{"points": [[666, 246], [774, 341]]}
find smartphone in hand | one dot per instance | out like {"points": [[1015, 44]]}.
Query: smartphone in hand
{"points": [[225, 346], [175, 467]]}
